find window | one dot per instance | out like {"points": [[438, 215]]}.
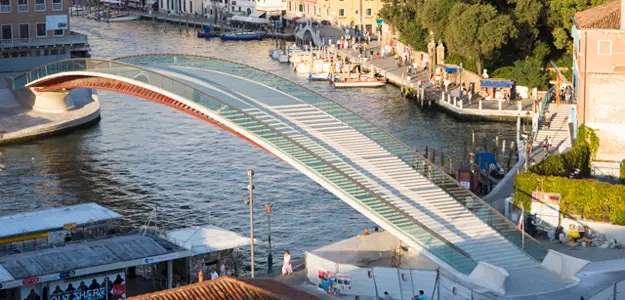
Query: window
{"points": [[7, 32], [162, 4], [5, 6], [301, 8], [54, 52], [22, 5], [57, 4], [184, 6], [191, 7], [58, 32], [368, 12], [41, 29], [40, 5], [341, 12], [604, 47], [23, 31], [356, 11]]}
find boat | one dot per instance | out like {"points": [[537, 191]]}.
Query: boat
{"points": [[207, 33], [241, 36], [275, 53], [114, 16], [283, 58], [361, 82], [319, 76]]}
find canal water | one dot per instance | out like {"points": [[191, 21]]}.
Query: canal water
{"points": [[143, 157]]}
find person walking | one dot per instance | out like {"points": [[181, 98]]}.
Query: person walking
{"points": [[287, 268], [548, 119]]}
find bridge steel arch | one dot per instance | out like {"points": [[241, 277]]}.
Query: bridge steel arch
{"points": [[137, 76]]}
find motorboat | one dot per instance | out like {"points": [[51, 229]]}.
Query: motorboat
{"points": [[319, 76], [207, 33], [241, 36], [284, 58], [361, 82], [275, 53]]}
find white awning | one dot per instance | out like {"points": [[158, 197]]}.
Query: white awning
{"points": [[206, 239], [250, 19], [293, 15], [257, 14]]}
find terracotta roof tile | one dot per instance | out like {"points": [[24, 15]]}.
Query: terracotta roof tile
{"points": [[222, 288], [606, 16]]}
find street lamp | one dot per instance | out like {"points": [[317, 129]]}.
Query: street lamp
{"points": [[250, 202], [269, 257]]}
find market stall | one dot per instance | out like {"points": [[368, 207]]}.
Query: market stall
{"points": [[497, 89]]}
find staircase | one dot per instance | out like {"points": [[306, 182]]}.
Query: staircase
{"points": [[559, 126]]}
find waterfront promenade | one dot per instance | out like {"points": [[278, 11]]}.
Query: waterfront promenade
{"points": [[462, 108]]}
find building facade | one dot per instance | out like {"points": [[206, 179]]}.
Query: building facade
{"points": [[339, 12], [36, 32], [599, 75]]}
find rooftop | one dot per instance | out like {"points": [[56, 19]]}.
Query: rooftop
{"points": [[54, 219], [206, 239], [606, 16], [79, 255], [228, 289]]}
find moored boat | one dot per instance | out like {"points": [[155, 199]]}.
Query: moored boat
{"points": [[319, 76], [207, 33], [241, 36], [362, 82]]}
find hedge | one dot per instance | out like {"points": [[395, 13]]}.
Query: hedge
{"points": [[579, 157], [594, 200], [622, 171]]}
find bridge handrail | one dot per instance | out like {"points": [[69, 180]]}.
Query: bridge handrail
{"points": [[472, 202], [75, 65]]}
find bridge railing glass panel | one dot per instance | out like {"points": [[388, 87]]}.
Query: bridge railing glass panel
{"points": [[311, 160]]}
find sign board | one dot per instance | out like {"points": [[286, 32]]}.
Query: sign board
{"points": [[326, 281], [344, 282], [159, 258], [379, 22], [56, 22], [97, 287], [546, 198]]}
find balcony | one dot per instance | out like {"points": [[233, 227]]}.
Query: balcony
{"points": [[72, 39], [5, 9], [40, 7], [22, 8], [57, 6]]}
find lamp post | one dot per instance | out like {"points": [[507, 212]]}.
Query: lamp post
{"points": [[269, 257], [250, 202]]}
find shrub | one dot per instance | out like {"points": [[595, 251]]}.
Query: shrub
{"points": [[593, 200], [579, 157], [622, 171]]}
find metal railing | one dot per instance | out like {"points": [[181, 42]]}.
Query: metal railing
{"points": [[472, 202], [40, 6], [5, 8], [22, 8], [314, 162], [616, 291], [41, 41]]}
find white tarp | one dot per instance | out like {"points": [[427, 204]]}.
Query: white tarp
{"points": [[405, 283], [290, 16], [361, 280], [56, 22], [250, 19], [386, 281], [423, 281]]}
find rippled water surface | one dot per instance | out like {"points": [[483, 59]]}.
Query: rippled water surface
{"points": [[143, 155]]}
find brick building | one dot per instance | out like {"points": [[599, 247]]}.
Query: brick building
{"points": [[36, 32], [599, 75]]}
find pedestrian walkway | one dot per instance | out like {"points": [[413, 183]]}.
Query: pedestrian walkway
{"points": [[556, 129]]}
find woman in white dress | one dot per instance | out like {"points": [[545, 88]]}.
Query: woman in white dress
{"points": [[286, 264]]}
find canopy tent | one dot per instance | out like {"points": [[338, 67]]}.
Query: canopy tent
{"points": [[449, 68], [257, 14], [496, 83], [249, 19], [292, 16]]}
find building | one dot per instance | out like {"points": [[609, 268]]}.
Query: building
{"points": [[66, 252], [339, 12], [230, 288], [599, 76], [36, 32]]}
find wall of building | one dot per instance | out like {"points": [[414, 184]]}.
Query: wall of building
{"points": [[32, 17], [358, 12], [36, 58], [192, 7]]}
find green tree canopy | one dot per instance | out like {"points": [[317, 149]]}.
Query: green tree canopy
{"points": [[476, 31]]}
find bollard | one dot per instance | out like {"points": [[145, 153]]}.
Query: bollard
{"points": [[455, 101], [519, 105], [499, 104], [480, 105], [442, 96], [461, 103], [503, 147]]}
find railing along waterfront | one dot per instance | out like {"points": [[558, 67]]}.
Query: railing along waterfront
{"points": [[437, 176], [313, 162]]}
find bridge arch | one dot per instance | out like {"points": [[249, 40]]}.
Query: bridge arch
{"points": [[406, 213]]}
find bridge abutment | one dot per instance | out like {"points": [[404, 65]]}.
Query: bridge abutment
{"points": [[52, 102]]}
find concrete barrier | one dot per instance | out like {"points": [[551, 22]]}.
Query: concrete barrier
{"points": [[564, 265], [490, 277]]}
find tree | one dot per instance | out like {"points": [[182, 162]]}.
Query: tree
{"points": [[560, 16], [529, 18], [530, 73], [435, 14], [476, 31]]}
